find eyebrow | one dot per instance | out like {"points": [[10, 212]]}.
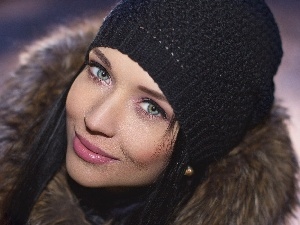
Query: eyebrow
{"points": [[153, 93], [107, 63], [102, 57]]}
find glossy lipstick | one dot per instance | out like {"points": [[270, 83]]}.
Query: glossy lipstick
{"points": [[89, 152]]}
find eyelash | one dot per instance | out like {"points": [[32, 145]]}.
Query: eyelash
{"points": [[95, 77], [161, 113]]}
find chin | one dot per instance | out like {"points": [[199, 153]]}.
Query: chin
{"points": [[78, 171]]}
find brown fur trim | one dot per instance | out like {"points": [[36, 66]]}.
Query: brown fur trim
{"points": [[57, 205], [45, 68], [255, 184]]}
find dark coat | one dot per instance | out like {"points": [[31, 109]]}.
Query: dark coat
{"points": [[255, 184]]}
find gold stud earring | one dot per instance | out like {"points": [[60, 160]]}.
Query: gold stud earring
{"points": [[189, 171]]}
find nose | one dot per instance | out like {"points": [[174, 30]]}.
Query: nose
{"points": [[104, 117]]}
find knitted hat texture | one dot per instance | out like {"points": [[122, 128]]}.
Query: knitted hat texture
{"points": [[214, 60]]}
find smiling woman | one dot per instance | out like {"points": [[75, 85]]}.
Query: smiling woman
{"points": [[126, 115], [169, 120]]}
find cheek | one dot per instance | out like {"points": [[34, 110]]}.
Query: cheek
{"points": [[147, 145], [73, 100], [76, 103]]}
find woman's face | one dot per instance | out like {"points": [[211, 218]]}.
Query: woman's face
{"points": [[117, 123]]}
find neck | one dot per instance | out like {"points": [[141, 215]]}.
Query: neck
{"points": [[112, 202]]}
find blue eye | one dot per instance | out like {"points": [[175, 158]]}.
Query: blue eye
{"points": [[152, 108], [99, 72]]}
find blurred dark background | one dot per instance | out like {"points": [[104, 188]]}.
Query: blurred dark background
{"points": [[22, 21]]}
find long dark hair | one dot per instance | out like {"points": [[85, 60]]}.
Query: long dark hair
{"points": [[47, 155]]}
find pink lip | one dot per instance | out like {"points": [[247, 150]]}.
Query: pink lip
{"points": [[89, 152]]}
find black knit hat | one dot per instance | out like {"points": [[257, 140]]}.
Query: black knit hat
{"points": [[213, 59]]}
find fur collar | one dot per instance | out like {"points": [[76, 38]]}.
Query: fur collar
{"points": [[255, 184]]}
